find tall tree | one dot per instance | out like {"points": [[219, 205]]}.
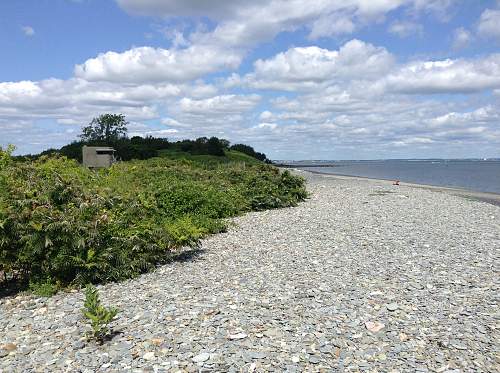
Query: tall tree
{"points": [[106, 127]]}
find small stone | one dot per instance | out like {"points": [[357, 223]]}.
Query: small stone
{"points": [[201, 357], [157, 341], [9, 347], [442, 369], [3, 353], [459, 345], [374, 326], [237, 336], [313, 360], [257, 355], [392, 307], [295, 359], [149, 356]]}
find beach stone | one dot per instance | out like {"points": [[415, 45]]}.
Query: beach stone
{"points": [[9, 347], [237, 336], [392, 307], [201, 357], [374, 326]]}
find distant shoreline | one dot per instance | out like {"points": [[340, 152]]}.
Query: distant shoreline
{"points": [[488, 197]]}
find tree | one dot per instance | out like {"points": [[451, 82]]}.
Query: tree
{"points": [[105, 128], [214, 147], [250, 151]]}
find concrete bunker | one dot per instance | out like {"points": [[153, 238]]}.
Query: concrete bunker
{"points": [[98, 156]]}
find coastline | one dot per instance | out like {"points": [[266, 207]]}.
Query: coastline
{"points": [[488, 197], [348, 280]]}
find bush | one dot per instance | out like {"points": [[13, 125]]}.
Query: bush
{"points": [[62, 224]]}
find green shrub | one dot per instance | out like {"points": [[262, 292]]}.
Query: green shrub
{"points": [[64, 222], [98, 316], [45, 288]]}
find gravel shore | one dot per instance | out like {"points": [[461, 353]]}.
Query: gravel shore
{"points": [[364, 276]]}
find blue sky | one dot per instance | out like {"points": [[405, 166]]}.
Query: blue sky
{"points": [[328, 79]]}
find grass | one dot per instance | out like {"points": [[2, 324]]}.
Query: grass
{"points": [[230, 156]]}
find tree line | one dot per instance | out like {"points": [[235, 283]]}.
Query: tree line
{"points": [[111, 130]]}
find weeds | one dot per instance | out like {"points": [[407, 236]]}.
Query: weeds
{"points": [[98, 316]]}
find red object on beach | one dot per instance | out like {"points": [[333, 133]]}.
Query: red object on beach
{"points": [[395, 182]]}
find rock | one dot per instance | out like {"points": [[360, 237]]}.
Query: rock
{"points": [[295, 359], [314, 360], [257, 355], [3, 352], [392, 307], [149, 356], [237, 336], [157, 341], [200, 358], [374, 326], [458, 345], [9, 347]]}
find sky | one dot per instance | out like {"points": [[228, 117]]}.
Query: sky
{"points": [[295, 79]]}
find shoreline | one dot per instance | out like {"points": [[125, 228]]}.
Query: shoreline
{"points": [[360, 264], [488, 197]]}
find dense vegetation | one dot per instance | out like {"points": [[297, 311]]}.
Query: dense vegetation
{"points": [[62, 224], [149, 147], [111, 130]]}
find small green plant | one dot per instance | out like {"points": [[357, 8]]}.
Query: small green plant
{"points": [[46, 288], [98, 315]]}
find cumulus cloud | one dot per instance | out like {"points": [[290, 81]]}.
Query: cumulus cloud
{"points": [[489, 24], [247, 22], [188, 8], [224, 104], [367, 69], [446, 76], [307, 67], [146, 64]]}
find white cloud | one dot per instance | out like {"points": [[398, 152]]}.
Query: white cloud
{"points": [[266, 126], [247, 22], [405, 29], [187, 8], [461, 38], [333, 24], [489, 24], [146, 64], [224, 104], [480, 116], [305, 68], [446, 76], [28, 30]]}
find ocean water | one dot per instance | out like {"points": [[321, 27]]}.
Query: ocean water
{"points": [[476, 175]]}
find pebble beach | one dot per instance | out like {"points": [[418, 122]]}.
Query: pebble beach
{"points": [[364, 276]]}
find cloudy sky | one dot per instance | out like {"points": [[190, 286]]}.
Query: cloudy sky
{"points": [[296, 79]]}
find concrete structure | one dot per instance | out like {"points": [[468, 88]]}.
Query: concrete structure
{"points": [[98, 156]]}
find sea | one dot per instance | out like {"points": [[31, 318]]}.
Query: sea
{"points": [[476, 175]]}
